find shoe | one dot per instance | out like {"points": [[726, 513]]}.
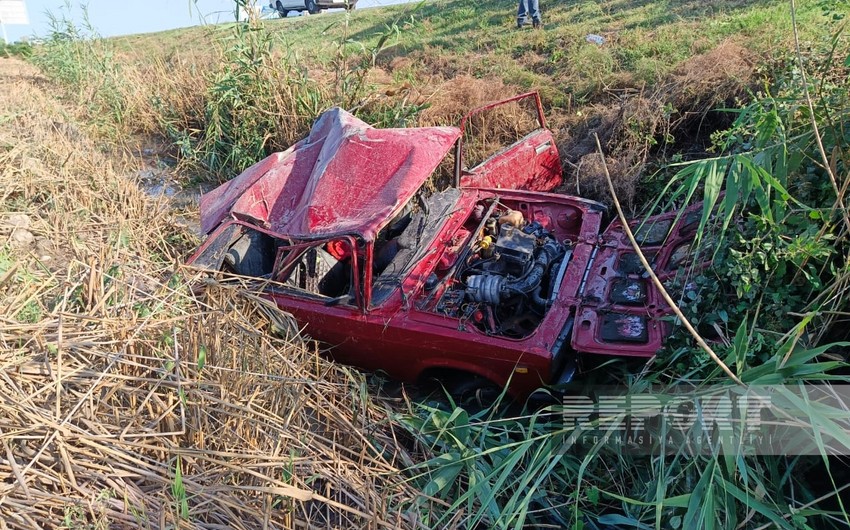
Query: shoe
{"points": [[519, 24], [537, 25]]}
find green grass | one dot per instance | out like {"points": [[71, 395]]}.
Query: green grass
{"points": [[646, 40], [419, 50], [776, 294], [226, 95], [15, 49]]}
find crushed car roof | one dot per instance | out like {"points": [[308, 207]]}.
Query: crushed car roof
{"points": [[346, 177]]}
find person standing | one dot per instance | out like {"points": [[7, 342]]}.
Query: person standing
{"points": [[529, 9]]}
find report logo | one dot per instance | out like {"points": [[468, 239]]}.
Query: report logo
{"points": [[750, 420]]}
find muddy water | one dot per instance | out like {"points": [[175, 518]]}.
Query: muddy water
{"points": [[160, 177], [166, 183]]}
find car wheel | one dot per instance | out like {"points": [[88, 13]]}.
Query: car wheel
{"points": [[475, 394], [280, 10], [312, 8], [251, 255]]}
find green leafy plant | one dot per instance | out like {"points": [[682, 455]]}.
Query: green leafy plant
{"points": [[16, 49], [774, 302], [178, 491], [77, 57]]}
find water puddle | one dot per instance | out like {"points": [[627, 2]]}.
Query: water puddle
{"points": [[164, 183], [159, 178]]}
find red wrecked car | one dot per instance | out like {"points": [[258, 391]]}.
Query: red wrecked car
{"points": [[492, 281]]}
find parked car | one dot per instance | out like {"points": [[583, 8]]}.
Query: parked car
{"points": [[493, 281], [283, 7]]}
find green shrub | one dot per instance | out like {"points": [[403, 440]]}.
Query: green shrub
{"points": [[16, 49], [775, 300], [77, 57]]}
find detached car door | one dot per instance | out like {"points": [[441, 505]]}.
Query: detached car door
{"points": [[621, 312], [531, 162]]}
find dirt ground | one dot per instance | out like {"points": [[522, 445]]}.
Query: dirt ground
{"points": [[128, 399]]}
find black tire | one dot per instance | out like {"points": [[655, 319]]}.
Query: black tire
{"points": [[312, 7], [251, 255], [474, 393], [280, 10]]}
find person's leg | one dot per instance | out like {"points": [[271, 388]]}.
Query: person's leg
{"points": [[534, 11], [522, 13]]}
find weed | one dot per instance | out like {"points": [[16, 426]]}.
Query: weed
{"points": [[16, 49], [778, 208], [776, 293], [99, 363], [594, 65], [776, 296], [178, 491], [78, 57], [30, 313]]}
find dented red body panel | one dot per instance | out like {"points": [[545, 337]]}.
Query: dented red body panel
{"points": [[554, 287], [619, 297], [346, 177]]}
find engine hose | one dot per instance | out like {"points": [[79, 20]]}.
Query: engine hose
{"points": [[538, 300], [529, 282], [493, 288]]}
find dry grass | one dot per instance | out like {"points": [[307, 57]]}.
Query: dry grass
{"points": [[639, 123], [485, 133], [128, 401], [177, 86], [455, 97], [717, 77]]}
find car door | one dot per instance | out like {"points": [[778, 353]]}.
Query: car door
{"points": [[621, 312], [291, 4], [529, 163], [319, 283]]}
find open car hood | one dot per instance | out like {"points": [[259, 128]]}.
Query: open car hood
{"points": [[346, 177], [622, 312]]}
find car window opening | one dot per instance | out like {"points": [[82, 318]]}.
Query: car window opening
{"points": [[323, 269], [407, 239]]}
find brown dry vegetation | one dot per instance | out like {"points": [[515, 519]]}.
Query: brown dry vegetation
{"points": [[130, 400], [648, 90], [177, 83], [127, 401], [633, 122], [173, 94], [677, 114], [486, 132]]}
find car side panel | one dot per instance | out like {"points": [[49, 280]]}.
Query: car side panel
{"points": [[332, 4], [293, 5], [532, 163]]}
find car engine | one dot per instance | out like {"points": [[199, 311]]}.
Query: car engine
{"points": [[509, 276]]}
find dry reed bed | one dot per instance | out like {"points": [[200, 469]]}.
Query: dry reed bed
{"points": [[128, 401]]}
